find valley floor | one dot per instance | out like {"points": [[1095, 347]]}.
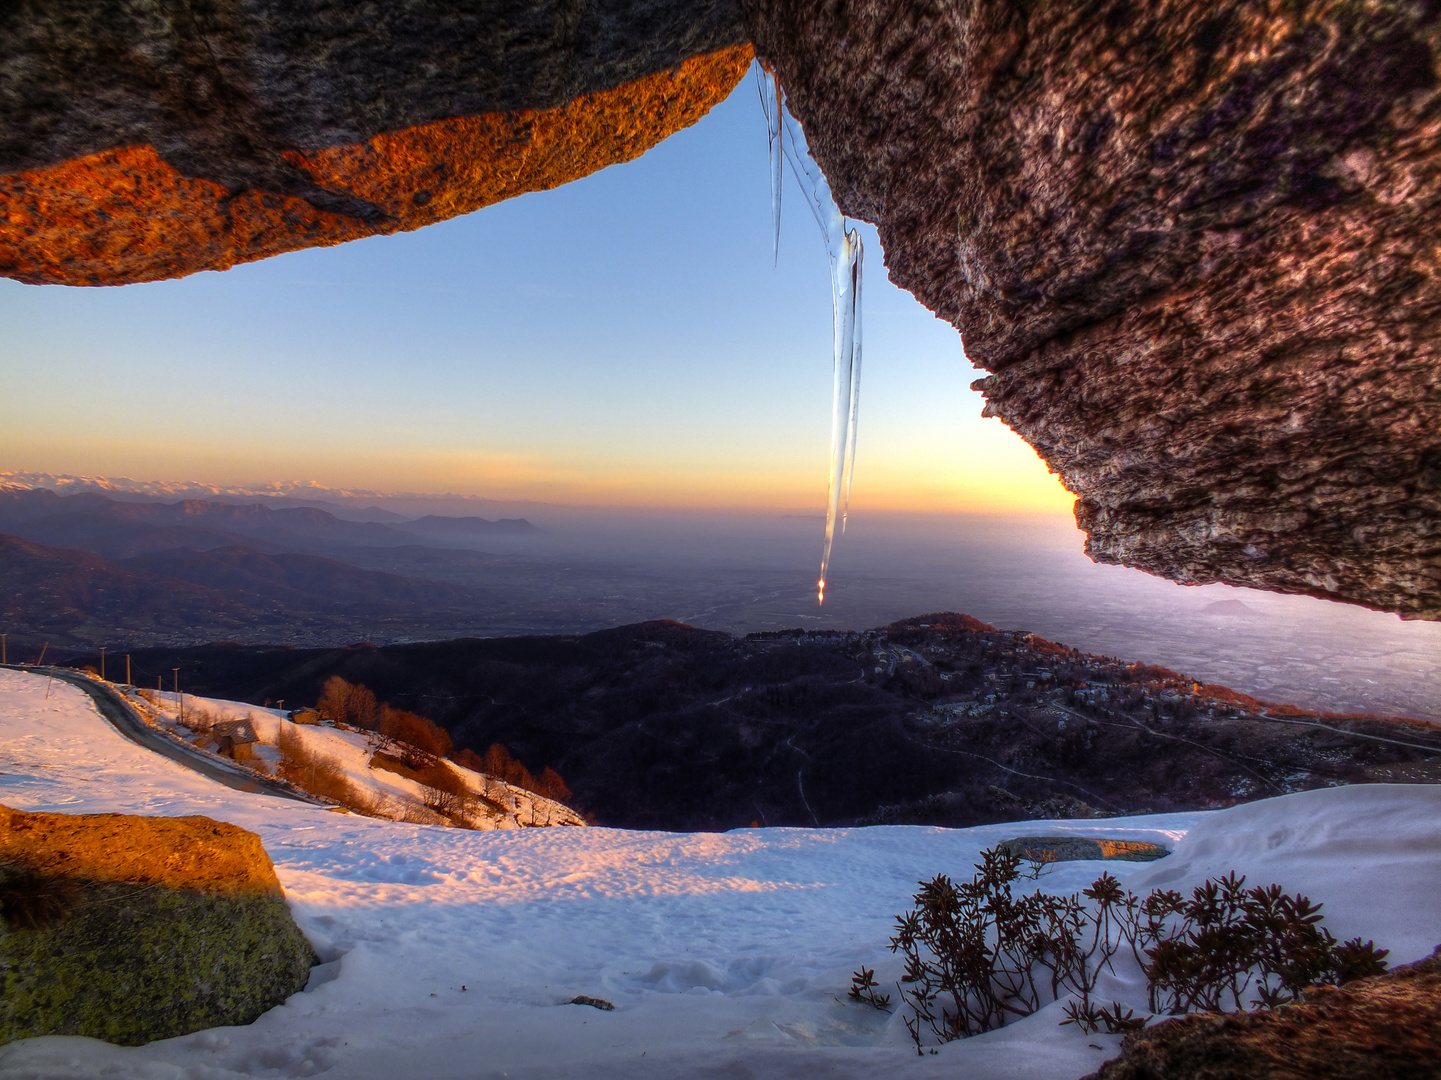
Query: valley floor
{"points": [[449, 953]]}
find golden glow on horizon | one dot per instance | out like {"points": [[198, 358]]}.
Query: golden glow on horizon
{"points": [[1013, 480], [975, 467]]}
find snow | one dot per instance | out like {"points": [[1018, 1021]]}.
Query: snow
{"points": [[504, 805], [448, 953]]}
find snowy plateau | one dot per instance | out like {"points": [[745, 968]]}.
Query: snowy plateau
{"points": [[450, 953]]}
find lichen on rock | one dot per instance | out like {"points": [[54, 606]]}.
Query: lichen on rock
{"points": [[131, 929]]}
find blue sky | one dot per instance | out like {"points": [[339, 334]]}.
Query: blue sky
{"points": [[621, 340]]}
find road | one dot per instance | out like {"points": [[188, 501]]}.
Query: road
{"points": [[128, 722]]}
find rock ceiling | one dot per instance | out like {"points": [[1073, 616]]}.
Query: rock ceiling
{"points": [[1194, 243]]}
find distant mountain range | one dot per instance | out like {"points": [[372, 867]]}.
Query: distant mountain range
{"points": [[353, 504], [86, 568], [120, 529], [464, 528], [70, 597], [66, 484]]}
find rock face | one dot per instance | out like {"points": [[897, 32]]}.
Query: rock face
{"points": [[132, 929], [139, 143], [1049, 849], [1383, 1028], [1193, 240], [1195, 243]]}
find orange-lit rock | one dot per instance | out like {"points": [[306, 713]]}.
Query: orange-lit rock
{"points": [[126, 215]]}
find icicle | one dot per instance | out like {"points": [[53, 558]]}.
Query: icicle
{"points": [[843, 245], [769, 84], [855, 382]]}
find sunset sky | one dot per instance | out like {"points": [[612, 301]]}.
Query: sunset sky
{"points": [[623, 340]]}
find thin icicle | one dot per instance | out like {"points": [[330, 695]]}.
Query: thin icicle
{"points": [[858, 275], [843, 245], [769, 84]]}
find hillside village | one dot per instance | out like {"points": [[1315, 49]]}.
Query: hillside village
{"points": [[940, 720]]}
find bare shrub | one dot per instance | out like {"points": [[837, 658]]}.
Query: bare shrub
{"points": [[498, 762], [420, 740], [199, 719], [443, 789], [316, 774], [347, 703], [447, 803]]}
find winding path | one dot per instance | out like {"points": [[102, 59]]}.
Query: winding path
{"points": [[114, 708]]}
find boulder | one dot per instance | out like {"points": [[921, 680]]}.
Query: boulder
{"points": [[1049, 849], [1387, 1027], [131, 929]]}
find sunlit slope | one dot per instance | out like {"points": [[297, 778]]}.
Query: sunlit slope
{"points": [[360, 771]]}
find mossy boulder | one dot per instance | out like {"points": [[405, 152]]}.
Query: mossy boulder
{"points": [[132, 929]]}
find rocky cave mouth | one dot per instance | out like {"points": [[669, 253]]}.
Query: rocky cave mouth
{"points": [[1192, 242]]}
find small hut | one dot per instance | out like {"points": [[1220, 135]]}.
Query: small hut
{"points": [[235, 738]]}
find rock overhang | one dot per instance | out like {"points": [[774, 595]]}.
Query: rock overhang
{"points": [[1191, 241], [144, 143]]}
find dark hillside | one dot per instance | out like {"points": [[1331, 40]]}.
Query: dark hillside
{"points": [[62, 596], [937, 720]]}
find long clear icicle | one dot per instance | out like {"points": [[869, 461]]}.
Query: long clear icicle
{"points": [[843, 245], [769, 85]]}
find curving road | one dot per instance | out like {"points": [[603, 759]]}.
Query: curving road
{"points": [[114, 708]]}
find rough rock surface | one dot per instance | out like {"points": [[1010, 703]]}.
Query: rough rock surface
{"points": [[1194, 241], [142, 142], [1048, 849], [1383, 1028], [131, 929]]}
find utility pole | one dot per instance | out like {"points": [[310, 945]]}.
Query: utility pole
{"points": [[127, 670], [179, 702], [102, 662], [4, 656]]}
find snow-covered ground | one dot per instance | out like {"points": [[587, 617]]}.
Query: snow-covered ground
{"points": [[449, 952], [500, 805]]}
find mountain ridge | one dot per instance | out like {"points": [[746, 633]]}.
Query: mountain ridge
{"points": [[937, 720]]}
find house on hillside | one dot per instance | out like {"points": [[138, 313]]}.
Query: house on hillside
{"points": [[235, 739]]}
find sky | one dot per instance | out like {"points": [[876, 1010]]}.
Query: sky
{"points": [[621, 341]]}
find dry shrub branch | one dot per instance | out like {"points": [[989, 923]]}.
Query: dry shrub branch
{"points": [[498, 762], [421, 745], [316, 774], [419, 740]]}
